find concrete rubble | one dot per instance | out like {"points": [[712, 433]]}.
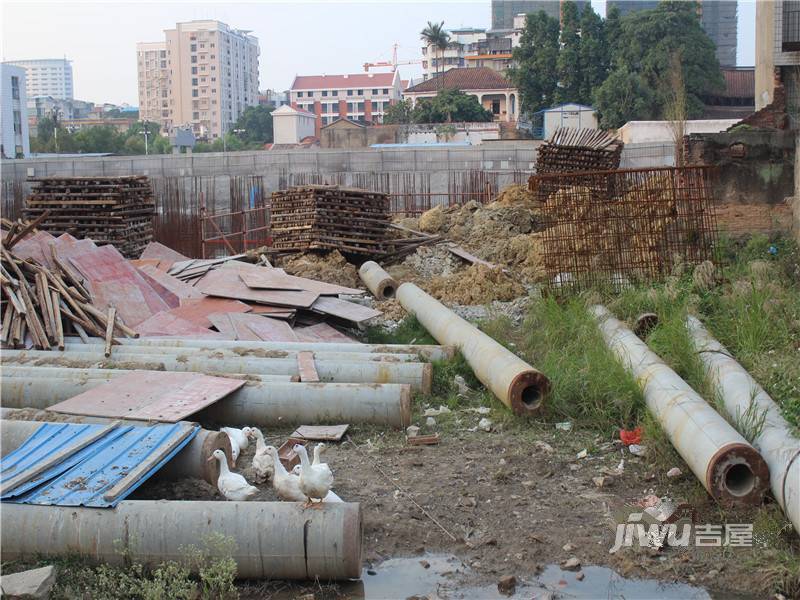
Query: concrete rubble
{"points": [[34, 584]]}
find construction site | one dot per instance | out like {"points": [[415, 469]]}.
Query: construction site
{"points": [[560, 370]]}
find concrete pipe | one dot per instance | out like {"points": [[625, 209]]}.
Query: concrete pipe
{"points": [[273, 540], [223, 353], [191, 462], [750, 407], [382, 285], [60, 367], [418, 375], [256, 403], [431, 353], [730, 469], [517, 384]]}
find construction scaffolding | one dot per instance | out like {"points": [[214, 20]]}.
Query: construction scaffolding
{"points": [[616, 227]]}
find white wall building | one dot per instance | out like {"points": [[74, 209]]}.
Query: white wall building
{"points": [[47, 77], [13, 112], [290, 125], [638, 132], [575, 116]]}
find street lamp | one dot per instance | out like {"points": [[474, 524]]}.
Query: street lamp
{"points": [[146, 135]]}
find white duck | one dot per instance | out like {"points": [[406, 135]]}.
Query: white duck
{"points": [[318, 449], [286, 485], [263, 463], [238, 439], [231, 485], [315, 480]]}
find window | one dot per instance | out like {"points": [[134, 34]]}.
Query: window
{"points": [[196, 116], [15, 88], [790, 40], [496, 107], [324, 92], [194, 58], [194, 80], [299, 94], [385, 90], [194, 93], [193, 47], [349, 92], [374, 92], [163, 64], [360, 92], [163, 53], [194, 70]]}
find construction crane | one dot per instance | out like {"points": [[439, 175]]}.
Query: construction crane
{"points": [[393, 63]]}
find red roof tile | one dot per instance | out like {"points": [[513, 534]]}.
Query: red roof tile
{"points": [[469, 78], [354, 80], [739, 83]]}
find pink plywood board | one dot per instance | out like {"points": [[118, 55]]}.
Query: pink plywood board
{"points": [[306, 367], [197, 310], [180, 289], [165, 254], [112, 281], [253, 328], [322, 332], [168, 323], [266, 278], [349, 311], [150, 396], [226, 283], [35, 246]]}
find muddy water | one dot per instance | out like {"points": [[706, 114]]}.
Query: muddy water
{"points": [[447, 577]]}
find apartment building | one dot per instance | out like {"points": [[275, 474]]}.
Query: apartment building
{"points": [[203, 76], [47, 77], [13, 121], [358, 96], [718, 17], [504, 11], [778, 54]]}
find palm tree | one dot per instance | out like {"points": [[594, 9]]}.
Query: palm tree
{"points": [[435, 35]]}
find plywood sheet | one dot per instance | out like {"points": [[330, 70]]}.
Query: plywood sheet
{"points": [[253, 328], [323, 433], [306, 367], [322, 332], [180, 289], [342, 309], [150, 396], [226, 283], [197, 310], [265, 278], [168, 323], [163, 253]]}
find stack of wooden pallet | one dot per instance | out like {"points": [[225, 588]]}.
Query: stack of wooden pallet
{"points": [[322, 217], [110, 210], [570, 150]]}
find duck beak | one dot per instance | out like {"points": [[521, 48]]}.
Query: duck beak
{"points": [[210, 458]]}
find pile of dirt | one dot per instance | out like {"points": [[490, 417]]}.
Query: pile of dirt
{"points": [[476, 285], [521, 253], [515, 195], [330, 267], [432, 261]]}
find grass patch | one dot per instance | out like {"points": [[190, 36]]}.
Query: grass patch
{"points": [[409, 331]]}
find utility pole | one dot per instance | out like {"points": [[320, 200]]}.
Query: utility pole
{"points": [[146, 135]]}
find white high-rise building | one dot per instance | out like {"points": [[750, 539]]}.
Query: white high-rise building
{"points": [[47, 77], [203, 76], [13, 113]]}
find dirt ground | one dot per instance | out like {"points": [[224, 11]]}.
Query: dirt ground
{"points": [[515, 501]]}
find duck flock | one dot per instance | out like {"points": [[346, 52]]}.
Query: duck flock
{"points": [[309, 482]]}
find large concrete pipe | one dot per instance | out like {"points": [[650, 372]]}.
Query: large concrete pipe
{"points": [[223, 353], [256, 403], [427, 352], [273, 540], [192, 461], [418, 375], [730, 469], [748, 404], [382, 285], [53, 367], [517, 384]]}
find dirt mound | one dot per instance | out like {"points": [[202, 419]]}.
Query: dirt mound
{"points": [[515, 194], [476, 285], [433, 220], [330, 267], [522, 253]]}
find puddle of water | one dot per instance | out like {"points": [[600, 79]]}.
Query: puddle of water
{"points": [[448, 577]]}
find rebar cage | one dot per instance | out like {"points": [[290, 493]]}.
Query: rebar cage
{"points": [[624, 226]]}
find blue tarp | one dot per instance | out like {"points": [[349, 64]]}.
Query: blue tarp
{"points": [[82, 478]]}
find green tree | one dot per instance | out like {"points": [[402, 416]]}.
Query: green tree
{"points": [[594, 54], [161, 145], [100, 139], [435, 35], [450, 106], [624, 96], [536, 56], [568, 64], [398, 113], [257, 124], [648, 40], [612, 29]]}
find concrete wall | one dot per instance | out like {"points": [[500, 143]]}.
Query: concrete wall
{"points": [[658, 132], [350, 136], [765, 57], [751, 166]]}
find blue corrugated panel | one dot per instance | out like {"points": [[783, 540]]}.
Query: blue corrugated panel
{"points": [[83, 478]]}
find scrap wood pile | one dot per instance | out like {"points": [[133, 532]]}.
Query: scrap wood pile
{"points": [[109, 210], [572, 150], [353, 221], [57, 285], [610, 226]]}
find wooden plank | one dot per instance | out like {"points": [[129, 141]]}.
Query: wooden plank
{"points": [[306, 367], [227, 284], [342, 309], [145, 466], [269, 279], [57, 316], [54, 459], [322, 433], [470, 258], [112, 315], [150, 396]]}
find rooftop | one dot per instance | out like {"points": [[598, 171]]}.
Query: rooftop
{"points": [[467, 78], [324, 82]]}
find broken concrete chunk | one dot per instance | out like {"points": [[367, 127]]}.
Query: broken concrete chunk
{"points": [[412, 431], [507, 584], [485, 424], [29, 585], [571, 564]]}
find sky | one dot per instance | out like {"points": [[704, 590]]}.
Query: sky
{"points": [[301, 37]]}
